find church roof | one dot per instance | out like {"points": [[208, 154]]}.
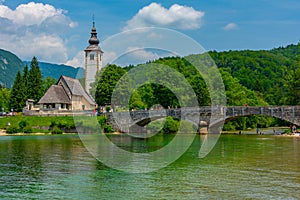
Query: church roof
{"points": [[55, 94], [75, 88], [59, 93]]}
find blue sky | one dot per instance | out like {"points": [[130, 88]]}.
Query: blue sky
{"points": [[58, 30]]}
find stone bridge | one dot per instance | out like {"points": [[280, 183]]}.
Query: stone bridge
{"points": [[213, 116]]}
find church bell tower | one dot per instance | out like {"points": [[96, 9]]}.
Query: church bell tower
{"points": [[93, 59]]}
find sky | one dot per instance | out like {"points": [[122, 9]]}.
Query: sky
{"points": [[57, 31]]}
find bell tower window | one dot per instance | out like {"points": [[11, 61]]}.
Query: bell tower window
{"points": [[92, 57]]}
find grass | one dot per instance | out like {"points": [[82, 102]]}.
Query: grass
{"points": [[34, 121], [56, 122]]}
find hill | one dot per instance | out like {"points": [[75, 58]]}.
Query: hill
{"points": [[10, 64], [55, 70], [263, 71]]}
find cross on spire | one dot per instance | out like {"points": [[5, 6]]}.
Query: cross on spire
{"points": [[93, 20]]}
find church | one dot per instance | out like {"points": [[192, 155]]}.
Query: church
{"points": [[68, 95]]}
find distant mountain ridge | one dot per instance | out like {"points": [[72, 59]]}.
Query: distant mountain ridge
{"points": [[56, 70], [10, 64]]}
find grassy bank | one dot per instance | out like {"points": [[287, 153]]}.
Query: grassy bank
{"points": [[44, 124], [36, 124]]}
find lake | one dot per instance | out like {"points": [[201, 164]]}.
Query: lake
{"points": [[239, 167]]}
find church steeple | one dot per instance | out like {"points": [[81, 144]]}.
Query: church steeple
{"points": [[94, 40], [93, 59]]}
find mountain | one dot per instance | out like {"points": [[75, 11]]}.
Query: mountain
{"points": [[10, 64], [55, 70]]}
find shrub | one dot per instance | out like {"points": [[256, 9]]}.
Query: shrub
{"points": [[56, 130], [108, 128], [23, 124], [101, 120], [53, 124], [12, 129], [27, 129], [171, 125]]}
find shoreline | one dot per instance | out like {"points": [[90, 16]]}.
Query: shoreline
{"points": [[3, 133]]}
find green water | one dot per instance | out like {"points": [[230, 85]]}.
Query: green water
{"points": [[239, 167]]}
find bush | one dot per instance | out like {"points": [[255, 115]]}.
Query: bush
{"points": [[53, 124], [171, 126], [56, 130], [23, 124], [27, 129], [12, 129], [101, 121], [108, 128]]}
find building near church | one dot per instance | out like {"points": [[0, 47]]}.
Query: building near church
{"points": [[68, 96]]}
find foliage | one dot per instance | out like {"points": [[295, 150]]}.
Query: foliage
{"points": [[12, 129], [107, 80], [35, 81], [171, 125], [108, 129], [18, 96], [27, 129], [56, 130], [4, 99], [48, 82], [260, 71], [25, 78], [101, 120], [23, 124]]}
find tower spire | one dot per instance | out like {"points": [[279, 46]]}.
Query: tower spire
{"points": [[94, 40], [93, 20]]}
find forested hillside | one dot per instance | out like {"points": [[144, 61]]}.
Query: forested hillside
{"points": [[10, 64], [265, 72]]}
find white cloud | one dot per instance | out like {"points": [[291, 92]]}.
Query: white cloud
{"points": [[177, 16], [35, 29], [77, 61], [30, 14], [109, 58], [230, 26], [141, 54]]}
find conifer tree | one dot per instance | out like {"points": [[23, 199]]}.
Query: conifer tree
{"points": [[35, 81], [25, 80], [17, 97]]}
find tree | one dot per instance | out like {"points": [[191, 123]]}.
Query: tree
{"points": [[48, 82], [35, 81], [4, 98], [17, 99], [26, 79], [292, 83], [136, 102], [109, 77]]}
